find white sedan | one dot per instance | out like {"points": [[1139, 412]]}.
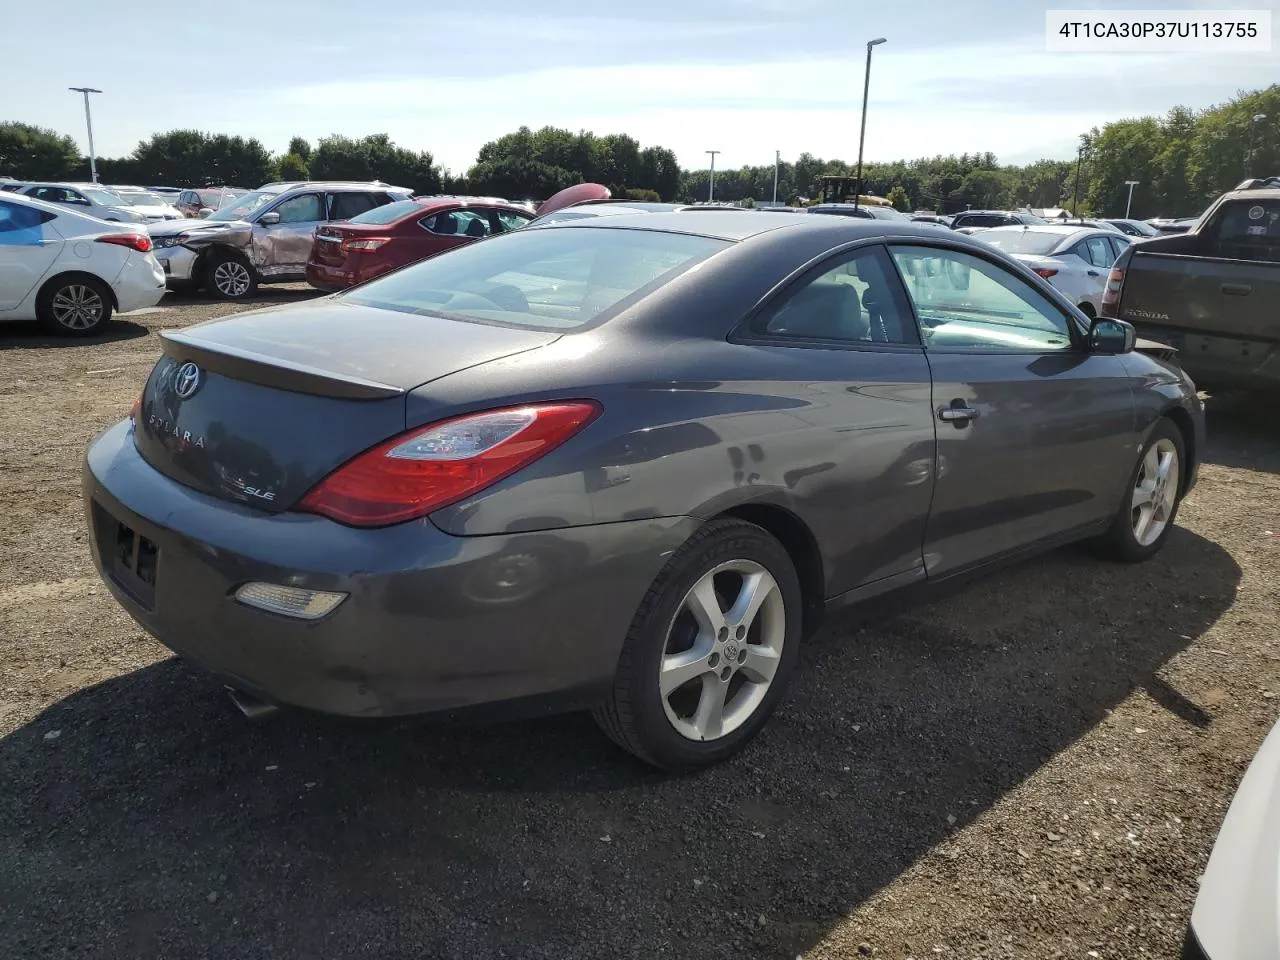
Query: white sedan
{"points": [[1076, 260], [69, 270]]}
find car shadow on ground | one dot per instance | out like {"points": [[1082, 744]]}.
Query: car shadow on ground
{"points": [[30, 336], [144, 817], [1243, 432]]}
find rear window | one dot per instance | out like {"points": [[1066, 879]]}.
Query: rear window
{"points": [[982, 220], [1249, 230], [388, 213], [554, 279], [1034, 242]]}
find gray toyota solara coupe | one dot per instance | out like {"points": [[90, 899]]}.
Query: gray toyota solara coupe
{"points": [[623, 463]]}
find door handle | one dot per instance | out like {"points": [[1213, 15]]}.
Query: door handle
{"points": [[958, 412], [1094, 273], [1236, 289]]}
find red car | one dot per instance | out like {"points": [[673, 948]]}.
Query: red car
{"points": [[404, 232]]}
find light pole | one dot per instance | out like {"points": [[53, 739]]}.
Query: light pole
{"points": [[1253, 130], [866, 89], [711, 190], [777, 158], [88, 122], [1076, 192], [1130, 184]]}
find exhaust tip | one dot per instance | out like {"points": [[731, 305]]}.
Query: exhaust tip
{"points": [[250, 706]]}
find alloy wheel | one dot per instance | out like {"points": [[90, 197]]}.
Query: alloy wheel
{"points": [[722, 650], [232, 278], [77, 306], [1155, 493]]}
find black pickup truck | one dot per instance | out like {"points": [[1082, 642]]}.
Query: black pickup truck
{"points": [[1213, 293]]}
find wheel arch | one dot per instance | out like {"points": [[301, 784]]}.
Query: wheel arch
{"points": [[65, 274], [801, 545], [1186, 426]]}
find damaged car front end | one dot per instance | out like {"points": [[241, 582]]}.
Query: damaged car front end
{"points": [[263, 237]]}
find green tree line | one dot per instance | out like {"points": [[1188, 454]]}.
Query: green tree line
{"points": [[1181, 162]]}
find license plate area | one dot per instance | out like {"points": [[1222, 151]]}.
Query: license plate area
{"points": [[129, 558]]}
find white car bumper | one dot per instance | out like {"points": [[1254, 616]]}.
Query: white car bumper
{"points": [[177, 263], [140, 284]]}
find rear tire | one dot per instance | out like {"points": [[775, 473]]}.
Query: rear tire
{"points": [[75, 305], [695, 684], [1151, 500], [229, 277]]}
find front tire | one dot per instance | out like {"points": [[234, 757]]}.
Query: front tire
{"points": [[76, 305], [228, 277], [710, 650], [1151, 500]]}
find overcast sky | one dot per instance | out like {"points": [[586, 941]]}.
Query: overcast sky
{"points": [[742, 76]]}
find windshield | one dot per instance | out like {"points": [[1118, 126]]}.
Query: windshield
{"points": [[243, 206], [102, 197], [143, 200], [1020, 241], [888, 213], [388, 212], [549, 279]]}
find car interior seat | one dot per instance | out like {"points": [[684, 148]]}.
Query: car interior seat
{"points": [[825, 309]]}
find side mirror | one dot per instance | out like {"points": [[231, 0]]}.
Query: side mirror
{"points": [[1112, 336], [269, 219], [204, 212]]}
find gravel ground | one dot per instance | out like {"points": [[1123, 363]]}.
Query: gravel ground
{"points": [[1031, 765]]}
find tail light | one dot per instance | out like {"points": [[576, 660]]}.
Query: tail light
{"points": [[133, 411], [425, 469], [1111, 295], [1045, 272], [134, 241], [363, 246]]}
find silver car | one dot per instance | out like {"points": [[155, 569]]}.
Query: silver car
{"points": [[263, 237]]}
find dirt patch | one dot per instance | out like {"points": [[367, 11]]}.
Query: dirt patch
{"points": [[1033, 765]]}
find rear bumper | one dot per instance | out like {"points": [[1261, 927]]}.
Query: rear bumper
{"points": [[140, 284], [325, 276], [432, 622]]}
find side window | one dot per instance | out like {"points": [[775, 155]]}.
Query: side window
{"points": [[344, 206], [50, 194], [73, 197], [15, 218], [455, 223], [968, 303], [304, 209], [1119, 245], [1100, 254], [858, 300], [511, 221]]}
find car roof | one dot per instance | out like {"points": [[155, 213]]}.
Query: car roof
{"points": [[1257, 193], [427, 204], [60, 210], [731, 225]]}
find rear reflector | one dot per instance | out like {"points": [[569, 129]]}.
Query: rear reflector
{"points": [[134, 241], [425, 469], [363, 246], [133, 411], [1045, 272], [289, 601]]}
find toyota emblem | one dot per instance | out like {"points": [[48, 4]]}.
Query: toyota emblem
{"points": [[186, 381]]}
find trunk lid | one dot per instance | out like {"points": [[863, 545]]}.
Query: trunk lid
{"points": [[327, 248], [259, 407]]}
